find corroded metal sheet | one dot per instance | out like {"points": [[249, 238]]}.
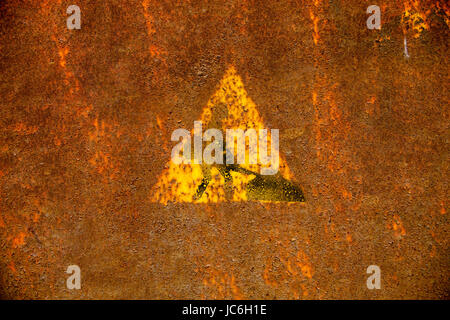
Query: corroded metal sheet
{"points": [[86, 119]]}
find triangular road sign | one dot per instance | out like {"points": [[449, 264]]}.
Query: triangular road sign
{"points": [[229, 107]]}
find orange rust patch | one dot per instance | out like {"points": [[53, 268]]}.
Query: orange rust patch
{"points": [[223, 284], [397, 226], [24, 129], [19, 240]]}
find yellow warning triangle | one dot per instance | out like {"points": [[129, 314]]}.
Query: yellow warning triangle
{"points": [[179, 182]]}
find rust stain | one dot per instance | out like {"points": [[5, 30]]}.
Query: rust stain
{"points": [[18, 240], [223, 285], [24, 129], [397, 226]]}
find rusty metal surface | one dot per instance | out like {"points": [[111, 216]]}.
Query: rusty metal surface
{"points": [[85, 123]]}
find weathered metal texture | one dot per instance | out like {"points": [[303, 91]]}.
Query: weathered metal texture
{"points": [[86, 117]]}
